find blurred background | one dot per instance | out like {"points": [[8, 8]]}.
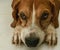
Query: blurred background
{"points": [[6, 31]]}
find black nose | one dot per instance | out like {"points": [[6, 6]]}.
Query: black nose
{"points": [[31, 42]]}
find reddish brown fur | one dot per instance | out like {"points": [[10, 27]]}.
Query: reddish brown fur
{"points": [[27, 5]]}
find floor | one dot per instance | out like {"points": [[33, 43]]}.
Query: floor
{"points": [[6, 31]]}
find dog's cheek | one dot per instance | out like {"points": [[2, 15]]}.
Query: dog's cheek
{"points": [[42, 37], [23, 23], [45, 23]]}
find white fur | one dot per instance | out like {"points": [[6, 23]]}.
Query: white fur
{"points": [[26, 31], [51, 32], [33, 16]]}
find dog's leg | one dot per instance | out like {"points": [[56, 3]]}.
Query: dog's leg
{"points": [[51, 37], [16, 36]]}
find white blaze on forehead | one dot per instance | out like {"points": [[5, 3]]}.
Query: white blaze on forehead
{"points": [[33, 16]]}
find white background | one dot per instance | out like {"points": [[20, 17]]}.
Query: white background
{"points": [[6, 31]]}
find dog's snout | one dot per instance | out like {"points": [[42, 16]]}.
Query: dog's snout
{"points": [[31, 41]]}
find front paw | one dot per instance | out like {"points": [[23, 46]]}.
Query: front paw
{"points": [[51, 39], [15, 39]]}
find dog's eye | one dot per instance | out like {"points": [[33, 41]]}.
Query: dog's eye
{"points": [[23, 16], [44, 16]]}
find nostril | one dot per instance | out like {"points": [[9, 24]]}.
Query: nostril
{"points": [[31, 42]]}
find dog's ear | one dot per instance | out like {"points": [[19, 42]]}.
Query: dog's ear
{"points": [[14, 13], [55, 12]]}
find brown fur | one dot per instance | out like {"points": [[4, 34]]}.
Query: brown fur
{"points": [[52, 5]]}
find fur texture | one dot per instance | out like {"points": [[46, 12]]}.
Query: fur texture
{"points": [[32, 20]]}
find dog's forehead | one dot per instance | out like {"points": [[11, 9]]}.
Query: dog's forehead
{"points": [[28, 4], [25, 4], [37, 3]]}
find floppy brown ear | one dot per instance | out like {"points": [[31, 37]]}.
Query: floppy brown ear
{"points": [[55, 12], [14, 13]]}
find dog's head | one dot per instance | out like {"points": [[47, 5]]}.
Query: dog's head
{"points": [[32, 17]]}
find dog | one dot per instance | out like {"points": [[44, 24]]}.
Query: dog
{"points": [[35, 21]]}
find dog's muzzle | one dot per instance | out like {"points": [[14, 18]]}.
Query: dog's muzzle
{"points": [[32, 36], [32, 41]]}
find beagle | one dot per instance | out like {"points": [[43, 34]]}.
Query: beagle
{"points": [[35, 22]]}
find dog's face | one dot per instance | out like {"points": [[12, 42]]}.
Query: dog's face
{"points": [[33, 16]]}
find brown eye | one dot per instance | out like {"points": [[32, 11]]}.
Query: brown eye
{"points": [[23, 16], [44, 16]]}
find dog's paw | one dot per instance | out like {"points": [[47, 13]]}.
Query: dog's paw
{"points": [[51, 39], [51, 36], [15, 39]]}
